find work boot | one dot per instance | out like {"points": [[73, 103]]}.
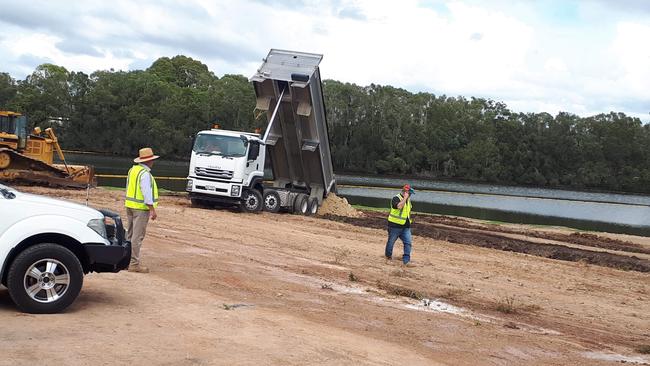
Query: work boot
{"points": [[410, 264], [138, 268]]}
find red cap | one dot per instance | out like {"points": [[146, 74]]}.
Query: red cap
{"points": [[406, 187]]}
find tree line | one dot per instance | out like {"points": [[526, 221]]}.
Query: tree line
{"points": [[373, 129]]}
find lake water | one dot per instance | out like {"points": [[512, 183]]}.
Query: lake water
{"points": [[583, 210]]}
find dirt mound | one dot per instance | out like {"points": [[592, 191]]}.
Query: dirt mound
{"points": [[338, 206]]}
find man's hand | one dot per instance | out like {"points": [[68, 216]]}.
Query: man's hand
{"points": [[152, 214], [406, 195]]}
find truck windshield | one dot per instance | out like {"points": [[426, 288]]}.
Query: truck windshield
{"points": [[230, 146]]}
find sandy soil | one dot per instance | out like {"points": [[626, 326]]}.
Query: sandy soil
{"points": [[232, 288]]}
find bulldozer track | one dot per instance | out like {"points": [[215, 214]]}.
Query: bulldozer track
{"points": [[22, 168]]}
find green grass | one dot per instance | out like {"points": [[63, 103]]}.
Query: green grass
{"points": [[643, 348], [368, 208]]}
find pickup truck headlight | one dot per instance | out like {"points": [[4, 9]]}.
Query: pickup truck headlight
{"points": [[98, 226]]}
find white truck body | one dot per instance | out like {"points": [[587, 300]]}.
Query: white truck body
{"points": [[28, 221]]}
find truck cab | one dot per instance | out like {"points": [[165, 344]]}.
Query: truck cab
{"points": [[227, 167]]}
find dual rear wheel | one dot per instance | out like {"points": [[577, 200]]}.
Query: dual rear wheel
{"points": [[302, 203]]}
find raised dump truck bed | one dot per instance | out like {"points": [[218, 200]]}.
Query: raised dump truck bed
{"points": [[289, 90]]}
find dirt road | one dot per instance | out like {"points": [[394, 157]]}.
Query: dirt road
{"points": [[231, 288]]}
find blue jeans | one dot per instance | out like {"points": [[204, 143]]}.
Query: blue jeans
{"points": [[405, 235]]}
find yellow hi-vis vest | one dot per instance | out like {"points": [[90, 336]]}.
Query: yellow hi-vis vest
{"points": [[399, 215], [134, 197]]}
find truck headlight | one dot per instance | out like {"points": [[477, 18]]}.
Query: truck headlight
{"points": [[98, 226], [189, 185], [234, 191]]}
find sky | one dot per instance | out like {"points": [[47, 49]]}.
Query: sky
{"points": [[584, 57]]}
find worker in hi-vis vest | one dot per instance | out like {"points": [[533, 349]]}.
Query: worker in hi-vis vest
{"points": [[399, 224], [141, 202]]}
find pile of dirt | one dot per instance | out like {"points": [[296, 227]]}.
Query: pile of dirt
{"points": [[338, 206]]}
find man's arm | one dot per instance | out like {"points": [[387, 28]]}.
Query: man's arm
{"points": [[405, 198], [147, 192]]}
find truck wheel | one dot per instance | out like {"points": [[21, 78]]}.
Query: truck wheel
{"points": [[45, 279], [313, 206], [251, 200], [300, 204], [271, 201]]}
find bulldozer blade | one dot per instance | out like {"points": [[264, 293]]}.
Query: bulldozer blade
{"points": [[24, 169]]}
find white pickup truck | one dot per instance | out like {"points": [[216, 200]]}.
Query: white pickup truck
{"points": [[47, 245]]}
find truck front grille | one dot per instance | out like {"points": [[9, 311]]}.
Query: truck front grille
{"points": [[213, 173]]}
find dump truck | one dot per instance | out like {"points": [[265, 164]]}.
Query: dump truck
{"points": [[29, 157], [229, 166]]}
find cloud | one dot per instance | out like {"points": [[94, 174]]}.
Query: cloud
{"points": [[351, 12], [32, 61], [582, 57], [78, 46]]}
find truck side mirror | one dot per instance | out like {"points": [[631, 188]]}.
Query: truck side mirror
{"points": [[254, 150]]}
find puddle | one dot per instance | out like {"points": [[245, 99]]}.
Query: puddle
{"points": [[616, 357], [438, 306], [429, 305]]}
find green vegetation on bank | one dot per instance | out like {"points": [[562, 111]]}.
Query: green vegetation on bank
{"points": [[373, 129]]}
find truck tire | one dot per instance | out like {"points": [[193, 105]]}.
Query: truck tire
{"points": [[272, 201], [312, 206], [251, 200], [300, 204], [44, 279]]}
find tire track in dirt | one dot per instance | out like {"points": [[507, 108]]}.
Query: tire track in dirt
{"points": [[461, 235]]}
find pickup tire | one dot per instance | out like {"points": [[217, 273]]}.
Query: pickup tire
{"points": [[251, 200], [45, 278]]}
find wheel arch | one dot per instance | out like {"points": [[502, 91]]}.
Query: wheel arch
{"points": [[257, 183], [56, 238]]}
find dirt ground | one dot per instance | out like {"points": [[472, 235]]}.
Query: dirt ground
{"points": [[230, 288]]}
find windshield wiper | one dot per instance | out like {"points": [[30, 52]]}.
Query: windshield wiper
{"points": [[7, 193]]}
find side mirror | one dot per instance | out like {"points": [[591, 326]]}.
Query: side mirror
{"points": [[254, 150]]}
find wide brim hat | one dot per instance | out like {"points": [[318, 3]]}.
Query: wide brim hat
{"points": [[145, 154]]}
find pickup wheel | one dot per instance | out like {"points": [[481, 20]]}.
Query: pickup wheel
{"points": [[251, 200], [44, 279], [271, 201], [301, 204]]}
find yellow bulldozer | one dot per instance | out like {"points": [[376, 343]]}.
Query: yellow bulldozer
{"points": [[29, 157]]}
